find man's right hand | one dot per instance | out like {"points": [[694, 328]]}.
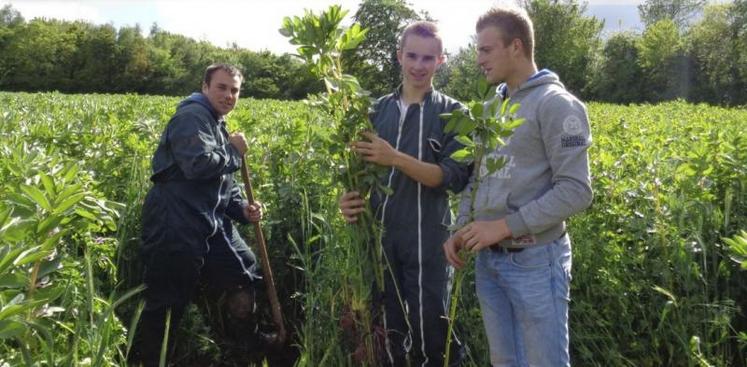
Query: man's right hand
{"points": [[239, 142], [351, 205], [452, 246]]}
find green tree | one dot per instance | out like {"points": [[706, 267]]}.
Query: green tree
{"points": [[619, 78], [96, 67], [566, 40], [739, 34], [678, 11], [665, 66], [132, 60], [10, 20], [375, 60], [457, 77], [712, 47], [10, 17], [37, 54]]}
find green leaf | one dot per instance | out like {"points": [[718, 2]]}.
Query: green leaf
{"points": [[514, 123], [465, 126], [464, 140], [493, 107], [14, 309], [49, 266], [16, 230], [30, 255], [462, 155], [738, 249], [85, 214], [8, 257], [48, 183], [50, 294], [484, 89], [504, 106], [13, 280], [514, 108], [70, 173], [36, 195], [11, 329], [667, 293], [47, 224], [477, 109], [69, 202]]}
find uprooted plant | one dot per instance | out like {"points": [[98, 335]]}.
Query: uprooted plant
{"points": [[481, 129], [321, 41]]}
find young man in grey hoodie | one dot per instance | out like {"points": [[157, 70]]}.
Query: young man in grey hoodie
{"points": [[523, 264]]}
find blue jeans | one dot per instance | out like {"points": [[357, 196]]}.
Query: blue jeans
{"points": [[524, 300]]}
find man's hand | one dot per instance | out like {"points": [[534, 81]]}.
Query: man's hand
{"points": [[253, 212], [481, 234], [239, 142], [377, 150], [351, 205], [452, 246]]}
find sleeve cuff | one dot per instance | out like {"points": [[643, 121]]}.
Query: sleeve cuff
{"points": [[445, 177], [233, 156], [238, 213], [517, 225]]}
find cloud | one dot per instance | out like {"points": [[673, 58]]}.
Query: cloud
{"points": [[67, 10], [245, 23]]}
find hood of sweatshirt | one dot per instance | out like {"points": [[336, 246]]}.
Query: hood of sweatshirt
{"points": [[200, 99], [540, 78]]}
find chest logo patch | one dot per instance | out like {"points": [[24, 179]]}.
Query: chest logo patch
{"points": [[572, 125]]}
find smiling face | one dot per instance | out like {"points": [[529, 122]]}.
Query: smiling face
{"points": [[223, 91], [495, 58], [419, 57]]}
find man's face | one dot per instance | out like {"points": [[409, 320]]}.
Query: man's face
{"points": [[419, 57], [223, 91], [493, 57]]}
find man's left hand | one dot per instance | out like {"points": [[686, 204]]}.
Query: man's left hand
{"points": [[377, 150], [253, 212], [481, 234]]}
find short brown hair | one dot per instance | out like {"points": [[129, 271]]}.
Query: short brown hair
{"points": [[230, 69], [513, 23], [423, 29]]}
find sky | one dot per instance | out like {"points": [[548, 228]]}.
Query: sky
{"points": [[253, 24]]}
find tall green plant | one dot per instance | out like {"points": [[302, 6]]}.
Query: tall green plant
{"points": [[321, 41], [481, 129]]}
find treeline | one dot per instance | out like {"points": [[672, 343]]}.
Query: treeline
{"points": [[80, 57], [688, 50]]}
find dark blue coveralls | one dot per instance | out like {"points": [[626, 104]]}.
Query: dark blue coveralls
{"points": [[187, 233], [415, 219]]}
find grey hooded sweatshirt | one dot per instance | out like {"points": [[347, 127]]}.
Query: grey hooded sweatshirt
{"points": [[546, 176]]}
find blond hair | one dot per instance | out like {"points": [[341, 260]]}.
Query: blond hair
{"points": [[514, 23]]}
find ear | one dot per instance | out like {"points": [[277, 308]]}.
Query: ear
{"points": [[519, 47], [399, 56], [440, 60], [205, 87]]}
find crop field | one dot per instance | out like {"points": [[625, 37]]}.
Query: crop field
{"points": [[655, 282]]}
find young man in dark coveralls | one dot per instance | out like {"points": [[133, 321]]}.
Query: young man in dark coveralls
{"points": [[411, 140], [187, 234]]}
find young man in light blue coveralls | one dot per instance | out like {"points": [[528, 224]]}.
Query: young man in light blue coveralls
{"points": [[523, 264]]}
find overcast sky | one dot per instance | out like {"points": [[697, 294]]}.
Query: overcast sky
{"points": [[253, 24]]}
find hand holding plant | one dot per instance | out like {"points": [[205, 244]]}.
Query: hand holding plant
{"points": [[481, 129]]}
